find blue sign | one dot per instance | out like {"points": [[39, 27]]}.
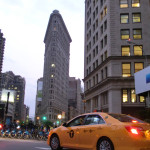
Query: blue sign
{"points": [[148, 78]]}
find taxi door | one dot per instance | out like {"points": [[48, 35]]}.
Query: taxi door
{"points": [[90, 132], [70, 136], [70, 133]]}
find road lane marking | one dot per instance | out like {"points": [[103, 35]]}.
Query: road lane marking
{"points": [[42, 148]]}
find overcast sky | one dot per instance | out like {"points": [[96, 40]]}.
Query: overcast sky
{"points": [[24, 23]]}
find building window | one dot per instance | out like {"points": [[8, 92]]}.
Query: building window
{"points": [[101, 16], [102, 29], [52, 65], [93, 81], [142, 99], [138, 50], [137, 33], [105, 40], [106, 72], [133, 96], [126, 69], [125, 34], [105, 11], [102, 77], [101, 58], [136, 17], [105, 25], [135, 3], [123, 3], [124, 18], [138, 67], [125, 50], [105, 54], [102, 44], [124, 96]]}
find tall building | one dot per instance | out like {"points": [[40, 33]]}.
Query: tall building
{"points": [[38, 100], [56, 68], [74, 98], [16, 83], [111, 59], [2, 46]]}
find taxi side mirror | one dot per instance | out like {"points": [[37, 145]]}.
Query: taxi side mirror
{"points": [[64, 124]]}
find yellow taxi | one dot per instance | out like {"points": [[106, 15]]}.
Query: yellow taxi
{"points": [[101, 131]]}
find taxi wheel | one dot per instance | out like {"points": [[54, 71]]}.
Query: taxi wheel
{"points": [[105, 144], [55, 143]]}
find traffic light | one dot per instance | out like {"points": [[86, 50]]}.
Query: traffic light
{"points": [[44, 118]]}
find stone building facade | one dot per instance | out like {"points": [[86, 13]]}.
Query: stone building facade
{"points": [[117, 38]]}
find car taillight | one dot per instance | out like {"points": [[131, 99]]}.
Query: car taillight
{"points": [[1, 126], [134, 130]]}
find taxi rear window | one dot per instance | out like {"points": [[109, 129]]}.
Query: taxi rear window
{"points": [[126, 118]]}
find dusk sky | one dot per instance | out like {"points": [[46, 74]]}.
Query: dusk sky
{"points": [[24, 23]]}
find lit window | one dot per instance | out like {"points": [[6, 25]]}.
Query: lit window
{"points": [[17, 98], [53, 65], [137, 33], [125, 50], [138, 50], [142, 99], [133, 96], [136, 17], [135, 3], [125, 96], [101, 15], [125, 34], [52, 76], [105, 11], [126, 70], [17, 95], [123, 3], [138, 67], [124, 18]]}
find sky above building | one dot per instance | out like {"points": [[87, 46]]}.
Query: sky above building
{"points": [[24, 24]]}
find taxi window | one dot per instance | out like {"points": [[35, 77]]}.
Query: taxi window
{"points": [[76, 122], [126, 118], [94, 119]]}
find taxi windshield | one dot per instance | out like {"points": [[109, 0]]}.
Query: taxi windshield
{"points": [[126, 118]]}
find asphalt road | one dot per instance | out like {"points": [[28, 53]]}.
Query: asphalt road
{"points": [[21, 144]]}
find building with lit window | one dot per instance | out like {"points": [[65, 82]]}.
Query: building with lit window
{"points": [[56, 68], [117, 38], [2, 46], [10, 81]]}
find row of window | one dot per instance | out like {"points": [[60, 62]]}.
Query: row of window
{"points": [[95, 64], [124, 18], [94, 2], [128, 95], [125, 3], [137, 50], [126, 72], [125, 34], [126, 68]]}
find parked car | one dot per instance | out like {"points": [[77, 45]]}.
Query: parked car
{"points": [[101, 131]]}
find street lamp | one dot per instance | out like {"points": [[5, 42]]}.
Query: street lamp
{"points": [[59, 116]]}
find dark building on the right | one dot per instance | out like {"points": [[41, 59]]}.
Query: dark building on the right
{"points": [[117, 38], [2, 46]]}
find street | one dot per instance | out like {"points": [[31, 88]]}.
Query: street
{"points": [[20, 144]]}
